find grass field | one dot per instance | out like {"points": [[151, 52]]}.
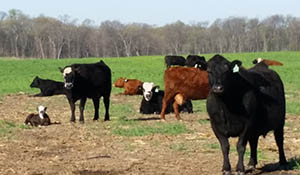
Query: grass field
{"points": [[191, 140], [16, 75]]}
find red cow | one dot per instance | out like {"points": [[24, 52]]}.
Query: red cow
{"points": [[182, 83], [131, 86], [267, 62]]}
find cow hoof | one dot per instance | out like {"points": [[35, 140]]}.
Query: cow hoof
{"points": [[106, 120], [240, 173], [226, 173], [251, 168], [81, 122]]}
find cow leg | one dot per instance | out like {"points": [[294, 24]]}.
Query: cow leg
{"points": [[72, 106], [106, 101], [165, 102], [225, 150], [253, 157], [175, 107], [96, 102], [241, 148], [81, 108], [278, 133]]}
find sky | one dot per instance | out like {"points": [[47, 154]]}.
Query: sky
{"points": [[154, 12]]}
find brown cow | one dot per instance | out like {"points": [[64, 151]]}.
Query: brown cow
{"points": [[267, 62], [131, 86], [182, 83]]}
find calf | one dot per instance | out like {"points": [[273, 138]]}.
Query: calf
{"points": [[152, 101], [171, 60], [195, 61], [87, 81], [131, 86], [181, 84], [245, 104], [40, 119], [267, 62], [48, 87]]}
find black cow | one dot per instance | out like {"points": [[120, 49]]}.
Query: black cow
{"points": [[152, 101], [88, 81], [246, 104], [196, 61], [48, 87], [174, 60]]}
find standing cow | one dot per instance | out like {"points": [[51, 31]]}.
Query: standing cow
{"points": [[245, 104], [195, 61], [174, 60], [88, 81], [181, 84]]}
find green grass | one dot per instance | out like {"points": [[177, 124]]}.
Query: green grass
{"points": [[9, 127], [129, 127], [16, 74], [294, 163]]}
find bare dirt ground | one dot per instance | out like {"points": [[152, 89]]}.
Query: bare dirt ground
{"points": [[91, 148]]}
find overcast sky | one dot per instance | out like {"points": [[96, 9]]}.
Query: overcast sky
{"points": [[154, 12]]}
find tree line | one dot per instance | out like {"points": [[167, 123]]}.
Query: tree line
{"points": [[46, 37]]}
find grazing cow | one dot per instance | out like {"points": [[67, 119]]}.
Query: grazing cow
{"points": [[88, 81], [195, 61], [246, 104], [152, 101], [171, 60], [40, 119], [181, 84], [131, 86], [267, 62], [48, 87]]}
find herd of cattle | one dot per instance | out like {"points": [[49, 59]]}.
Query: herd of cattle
{"points": [[243, 103]]}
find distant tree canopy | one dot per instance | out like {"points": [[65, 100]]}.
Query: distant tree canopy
{"points": [[46, 37]]}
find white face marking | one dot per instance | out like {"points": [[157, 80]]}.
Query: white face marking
{"points": [[259, 60], [67, 70], [42, 111], [147, 87]]}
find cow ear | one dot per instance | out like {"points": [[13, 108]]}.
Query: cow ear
{"points": [[202, 65], [61, 69], [45, 109], [235, 66], [156, 89], [126, 80]]}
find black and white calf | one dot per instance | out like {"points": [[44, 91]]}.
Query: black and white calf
{"points": [[152, 101], [88, 81], [40, 119]]}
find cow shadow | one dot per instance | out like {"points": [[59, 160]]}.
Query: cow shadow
{"points": [[292, 164], [146, 119]]}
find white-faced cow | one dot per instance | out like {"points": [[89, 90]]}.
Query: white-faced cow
{"points": [[174, 60], [88, 81], [152, 101], [245, 103]]}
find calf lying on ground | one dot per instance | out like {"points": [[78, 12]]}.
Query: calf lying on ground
{"points": [[48, 87], [152, 101], [267, 62], [245, 103], [131, 86], [40, 119]]}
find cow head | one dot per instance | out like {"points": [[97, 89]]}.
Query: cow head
{"points": [[257, 60], [41, 110], [220, 71], [35, 82], [148, 88], [120, 82], [69, 76]]}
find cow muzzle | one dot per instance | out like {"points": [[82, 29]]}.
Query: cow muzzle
{"points": [[68, 85], [148, 96], [218, 89]]}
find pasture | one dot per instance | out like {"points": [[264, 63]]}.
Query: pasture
{"points": [[131, 143]]}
